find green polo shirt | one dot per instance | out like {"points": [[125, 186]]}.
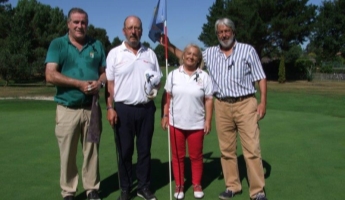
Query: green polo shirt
{"points": [[81, 64]]}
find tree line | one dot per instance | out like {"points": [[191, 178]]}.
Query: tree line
{"points": [[276, 29]]}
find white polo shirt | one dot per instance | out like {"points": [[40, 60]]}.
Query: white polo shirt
{"points": [[187, 105], [127, 70]]}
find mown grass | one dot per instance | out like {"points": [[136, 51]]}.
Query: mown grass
{"points": [[302, 141]]}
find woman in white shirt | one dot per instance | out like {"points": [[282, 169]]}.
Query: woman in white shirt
{"points": [[188, 113]]}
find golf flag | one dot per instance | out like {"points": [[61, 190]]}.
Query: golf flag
{"points": [[159, 17]]}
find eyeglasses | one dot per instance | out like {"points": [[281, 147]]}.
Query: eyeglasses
{"points": [[227, 32], [133, 27]]}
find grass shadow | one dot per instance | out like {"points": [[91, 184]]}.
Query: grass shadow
{"points": [[243, 169], [160, 175]]}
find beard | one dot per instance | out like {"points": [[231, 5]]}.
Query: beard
{"points": [[226, 44], [133, 44], [133, 41]]}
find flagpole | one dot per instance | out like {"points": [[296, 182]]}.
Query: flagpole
{"points": [[159, 25], [166, 75]]}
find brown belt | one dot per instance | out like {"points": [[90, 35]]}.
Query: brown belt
{"points": [[235, 99]]}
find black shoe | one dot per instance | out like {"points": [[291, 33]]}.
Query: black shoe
{"points": [[227, 194], [93, 195], [68, 198], [146, 194], [124, 195], [260, 196]]}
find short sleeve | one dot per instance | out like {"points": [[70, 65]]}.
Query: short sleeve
{"points": [[208, 86], [167, 86], [53, 54]]}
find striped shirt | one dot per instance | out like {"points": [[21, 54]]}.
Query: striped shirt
{"points": [[235, 75]]}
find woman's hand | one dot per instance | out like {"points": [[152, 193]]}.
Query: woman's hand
{"points": [[165, 122], [207, 128]]}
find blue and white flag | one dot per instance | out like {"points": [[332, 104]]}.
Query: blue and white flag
{"points": [[159, 17]]}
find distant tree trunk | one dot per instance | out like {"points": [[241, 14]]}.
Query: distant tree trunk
{"points": [[281, 72]]}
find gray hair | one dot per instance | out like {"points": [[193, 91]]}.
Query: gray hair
{"points": [[226, 22]]}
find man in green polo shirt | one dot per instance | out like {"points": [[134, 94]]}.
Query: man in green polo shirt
{"points": [[75, 64]]}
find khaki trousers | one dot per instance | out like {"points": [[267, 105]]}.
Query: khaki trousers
{"points": [[240, 118], [72, 125]]}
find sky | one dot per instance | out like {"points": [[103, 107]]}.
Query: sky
{"points": [[185, 18]]}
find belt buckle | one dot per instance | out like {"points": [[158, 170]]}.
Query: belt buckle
{"points": [[232, 100]]}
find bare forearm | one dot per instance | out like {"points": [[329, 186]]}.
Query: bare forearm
{"points": [[208, 109], [176, 51], [263, 91], [102, 77], [167, 103], [56, 78], [110, 93]]}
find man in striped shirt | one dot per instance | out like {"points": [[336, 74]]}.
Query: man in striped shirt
{"points": [[234, 68]]}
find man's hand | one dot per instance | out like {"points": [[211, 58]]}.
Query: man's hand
{"points": [[261, 110], [112, 117], [162, 40], [90, 87]]}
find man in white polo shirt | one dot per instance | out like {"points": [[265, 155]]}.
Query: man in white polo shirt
{"points": [[130, 109]]}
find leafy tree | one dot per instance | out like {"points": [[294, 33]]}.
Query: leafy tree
{"points": [[251, 20], [146, 44], [5, 21], [208, 36], [5, 13], [329, 33], [33, 25], [116, 42], [160, 53], [101, 35], [271, 26], [291, 24], [293, 54]]}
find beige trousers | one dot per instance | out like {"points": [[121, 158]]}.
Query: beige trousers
{"points": [[71, 126], [240, 118]]}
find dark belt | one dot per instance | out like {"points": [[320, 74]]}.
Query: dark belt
{"points": [[84, 106], [139, 105], [235, 99]]}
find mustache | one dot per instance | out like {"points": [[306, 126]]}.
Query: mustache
{"points": [[133, 36]]}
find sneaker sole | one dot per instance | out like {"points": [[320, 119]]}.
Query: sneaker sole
{"points": [[141, 196], [227, 198]]}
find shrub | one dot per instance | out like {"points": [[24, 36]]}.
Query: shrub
{"points": [[304, 67]]}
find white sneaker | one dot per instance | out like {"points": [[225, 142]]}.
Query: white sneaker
{"points": [[198, 193], [179, 194]]}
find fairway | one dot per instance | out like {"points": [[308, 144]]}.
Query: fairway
{"points": [[302, 142]]}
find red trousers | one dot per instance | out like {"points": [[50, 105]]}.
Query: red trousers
{"points": [[195, 139]]}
